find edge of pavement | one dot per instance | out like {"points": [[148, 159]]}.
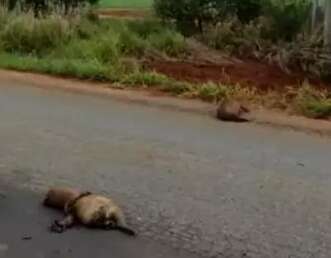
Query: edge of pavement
{"points": [[156, 99]]}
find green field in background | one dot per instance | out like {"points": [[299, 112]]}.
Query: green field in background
{"points": [[126, 3]]}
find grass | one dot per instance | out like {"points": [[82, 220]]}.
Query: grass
{"points": [[126, 3], [94, 70], [103, 50], [64, 67], [78, 40], [313, 103]]}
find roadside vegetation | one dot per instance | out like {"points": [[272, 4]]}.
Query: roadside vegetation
{"points": [[273, 31], [82, 45], [72, 41]]}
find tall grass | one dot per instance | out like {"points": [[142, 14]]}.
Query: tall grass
{"points": [[78, 42], [313, 103], [25, 34]]}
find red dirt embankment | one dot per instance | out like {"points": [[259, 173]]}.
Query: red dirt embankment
{"points": [[244, 72], [248, 72]]}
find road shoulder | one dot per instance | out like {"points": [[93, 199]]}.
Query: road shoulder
{"points": [[262, 116]]}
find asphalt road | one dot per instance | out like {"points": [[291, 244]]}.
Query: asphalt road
{"points": [[187, 182], [25, 233]]}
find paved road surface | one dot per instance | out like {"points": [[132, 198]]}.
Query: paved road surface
{"points": [[24, 233], [186, 181]]}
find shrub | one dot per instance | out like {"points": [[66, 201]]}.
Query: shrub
{"points": [[146, 27], [288, 17], [170, 42], [257, 40], [103, 49], [86, 29], [237, 38], [131, 44], [193, 15], [11, 4], [212, 92], [247, 10], [189, 15]]}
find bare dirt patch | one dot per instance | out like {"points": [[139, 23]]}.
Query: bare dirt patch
{"points": [[245, 73], [123, 13]]}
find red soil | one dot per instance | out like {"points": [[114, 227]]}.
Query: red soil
{"points": [[123, 13], [249, 73]]}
